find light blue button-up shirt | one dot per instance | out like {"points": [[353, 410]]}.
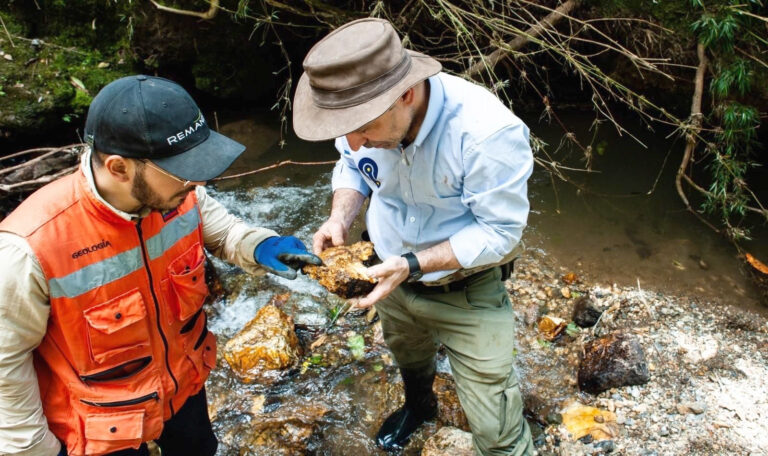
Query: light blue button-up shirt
{"points": [[464, 179]]}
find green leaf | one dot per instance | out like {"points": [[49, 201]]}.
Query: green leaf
{"points": [[356, 345], [572, 330], [316, 359], [377, 367], [544, 343]]}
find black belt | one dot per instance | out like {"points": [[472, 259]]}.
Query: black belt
{"points": [[457, 285]]}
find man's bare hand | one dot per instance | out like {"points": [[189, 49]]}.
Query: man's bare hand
{"points": [[390, 274], [331, 233]]}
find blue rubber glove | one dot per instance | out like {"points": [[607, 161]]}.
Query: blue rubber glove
{"points": [[283, 255]]}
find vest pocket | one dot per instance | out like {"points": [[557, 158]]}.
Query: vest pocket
{"points": [[117, 327], [202, 355], [186, 277], [113, 425]]}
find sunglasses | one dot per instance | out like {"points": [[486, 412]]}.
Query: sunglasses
{"points": [[176, 178]]}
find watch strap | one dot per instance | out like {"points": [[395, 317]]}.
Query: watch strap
{"points": [[414, 269]]}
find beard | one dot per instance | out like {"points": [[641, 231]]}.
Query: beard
{"points": [[150, 199]]}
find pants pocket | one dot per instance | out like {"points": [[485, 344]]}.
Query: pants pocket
{"points": [[488, 292], [510, 412]]}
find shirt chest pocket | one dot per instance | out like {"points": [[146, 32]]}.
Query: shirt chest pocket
{"points": [[118, 329]]}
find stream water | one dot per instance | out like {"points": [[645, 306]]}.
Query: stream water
{"points": [[636, 239]]}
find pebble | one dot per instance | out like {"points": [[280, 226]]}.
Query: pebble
{"points": [[605, 446], [663, 431], [691, 407]]}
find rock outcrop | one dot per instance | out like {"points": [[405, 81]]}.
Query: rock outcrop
{"points": [[266, 346]]}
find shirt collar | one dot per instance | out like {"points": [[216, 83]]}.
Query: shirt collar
{"points": [[434, 108], [85, 163]]}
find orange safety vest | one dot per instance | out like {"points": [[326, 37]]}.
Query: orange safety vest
{"points": [[126, 342]]}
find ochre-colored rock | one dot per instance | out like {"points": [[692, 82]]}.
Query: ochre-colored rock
{"points": [[449, 441], [551, 327], [581, 420], [286, 431], [266, 346], [450, 411], [343, 269]]}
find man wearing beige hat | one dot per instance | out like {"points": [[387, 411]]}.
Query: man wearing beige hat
{"points": [[445, 165]]}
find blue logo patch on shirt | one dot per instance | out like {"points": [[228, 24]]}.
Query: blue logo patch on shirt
{"points": [[346, 152], [370, 169]]}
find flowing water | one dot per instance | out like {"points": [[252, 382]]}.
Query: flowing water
{"points": [[635, 239]]}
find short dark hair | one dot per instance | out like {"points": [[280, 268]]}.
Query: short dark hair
{"points": [[97, 159]]}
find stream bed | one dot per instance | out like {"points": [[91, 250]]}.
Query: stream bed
{"points": [[334, 407]]}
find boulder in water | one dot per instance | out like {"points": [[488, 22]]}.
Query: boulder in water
{"points": [[266, 347]]}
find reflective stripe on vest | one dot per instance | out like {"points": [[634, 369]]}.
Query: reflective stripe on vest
{"points": [[98, 274]]}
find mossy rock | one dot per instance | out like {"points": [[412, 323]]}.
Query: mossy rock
{"points": [[51, 67]]}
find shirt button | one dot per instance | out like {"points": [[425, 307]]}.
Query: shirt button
{"points": [[413, 219], [403, 160], [406, 193]]}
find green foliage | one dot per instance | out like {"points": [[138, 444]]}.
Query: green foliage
{"points": [[724, 27], [70, 47], [572, 330], [356, 345], [735, 76]]}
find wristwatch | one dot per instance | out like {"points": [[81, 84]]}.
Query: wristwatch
{"points": [[414, 270]]}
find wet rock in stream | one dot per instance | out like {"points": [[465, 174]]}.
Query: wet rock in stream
{"points": [[585, 312], [449, 441], [266, 347], [287, 430], [612, 361], [450, 412]]}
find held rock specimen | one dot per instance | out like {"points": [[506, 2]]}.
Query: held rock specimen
{"points": [[266, 346], [343, 270], [612, 361]]}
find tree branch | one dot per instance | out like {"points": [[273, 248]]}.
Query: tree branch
{"points": [[210, 14], [693, 128], [550, 20]]}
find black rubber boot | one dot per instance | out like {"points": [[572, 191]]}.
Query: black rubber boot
{"points": [[420, 406]]}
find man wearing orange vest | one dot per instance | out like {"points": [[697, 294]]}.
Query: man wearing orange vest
{"points": [[103, 339]]}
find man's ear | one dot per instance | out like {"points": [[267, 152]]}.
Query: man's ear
{"points": [[409, 96], [119, 168]]}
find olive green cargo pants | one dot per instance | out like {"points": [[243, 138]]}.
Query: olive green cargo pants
{"points": [[476, 326]]}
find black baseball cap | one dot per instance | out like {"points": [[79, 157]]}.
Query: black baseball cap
{"points": [[155, 118]]}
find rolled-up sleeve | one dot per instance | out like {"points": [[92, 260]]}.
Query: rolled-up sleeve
{"points": [[496, 191], [346, 174], [228, 237], [24, 311]]}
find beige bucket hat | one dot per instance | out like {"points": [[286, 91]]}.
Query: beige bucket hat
{"points": [[352, 76]]}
